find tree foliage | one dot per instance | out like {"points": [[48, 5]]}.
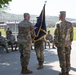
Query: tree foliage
{"points": [[4, 3]]}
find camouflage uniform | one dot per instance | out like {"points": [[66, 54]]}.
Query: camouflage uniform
{"points": [[39, 48], [49, 39], [63, 36], [8, 33], [11, 41], [25, 35]]}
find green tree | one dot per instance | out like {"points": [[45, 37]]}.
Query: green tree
{"points": [[4, 3]]}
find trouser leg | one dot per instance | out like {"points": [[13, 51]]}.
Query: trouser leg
{"points": [[12, 46], [16, 46], [49, 44], [24, 54], [62, 58], [68, 51], [40, 57], [24, 58]]}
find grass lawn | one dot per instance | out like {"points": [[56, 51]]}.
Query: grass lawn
{"points": [[3, 32], [74, 33]]}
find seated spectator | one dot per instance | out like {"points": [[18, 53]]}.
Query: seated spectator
{"points": [[11, 41], [49, 39], [3, 42]]}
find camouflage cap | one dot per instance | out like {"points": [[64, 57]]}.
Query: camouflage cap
{"points": [[26, 14], [48, 30], [37, 17], [63, 12]]}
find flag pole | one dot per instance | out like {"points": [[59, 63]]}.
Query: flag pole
{"points": [[45, 2]]}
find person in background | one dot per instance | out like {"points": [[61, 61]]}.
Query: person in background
{"points": [[8, 32], [49, 39], [3, 43], [63, 37], [11, 41]]}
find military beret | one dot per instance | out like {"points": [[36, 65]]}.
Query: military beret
{"points": [[26, 14], [63, 12]]}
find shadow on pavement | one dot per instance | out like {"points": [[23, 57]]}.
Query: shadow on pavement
{"points": [[74, 69], [10, 63]]}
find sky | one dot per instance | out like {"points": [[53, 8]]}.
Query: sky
{"points": [[34, 7]]}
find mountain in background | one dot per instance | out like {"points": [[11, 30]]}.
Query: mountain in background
{"points": [[50, 20]]}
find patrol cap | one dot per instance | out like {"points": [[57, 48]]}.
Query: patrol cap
{"points": [[63, 12], [26, 14], [48, 31], [37, 17]]}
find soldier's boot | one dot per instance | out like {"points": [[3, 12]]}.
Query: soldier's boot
{"points": [[62, 73], [26, 71], [67, 73], [40, 65], [68, 68]]}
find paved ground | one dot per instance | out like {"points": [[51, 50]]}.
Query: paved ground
{"points": [[10, 63]]}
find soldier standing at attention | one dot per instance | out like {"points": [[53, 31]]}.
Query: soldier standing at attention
{"points": [[63, 37], [25, 36], [8, 33], [39, 49]]}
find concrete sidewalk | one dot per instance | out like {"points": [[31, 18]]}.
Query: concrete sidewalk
{"points": [[10, 63]]}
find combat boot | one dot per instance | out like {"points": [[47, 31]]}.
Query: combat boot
{"points": [[25, 71], [40, 65], [67, 73], [62, 73]]}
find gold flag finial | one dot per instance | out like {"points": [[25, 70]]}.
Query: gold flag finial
{"points": [[45, 2]]}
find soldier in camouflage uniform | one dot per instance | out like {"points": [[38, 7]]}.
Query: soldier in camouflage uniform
{"points": [[11, 41], [8, 33], [25, 37], [63, 37], [49, 39], [39, 49]]}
